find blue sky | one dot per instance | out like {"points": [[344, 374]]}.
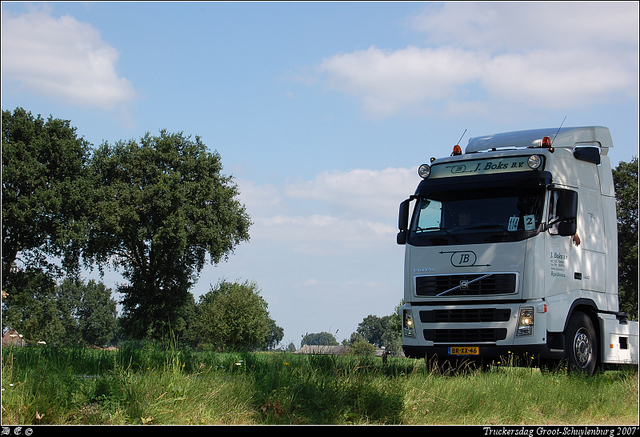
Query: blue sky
{"points": [[323, 111]]}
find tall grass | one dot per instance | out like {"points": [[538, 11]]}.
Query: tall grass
{"points": [[136, 385], [523, 396], [162, 384], [325, 389]]}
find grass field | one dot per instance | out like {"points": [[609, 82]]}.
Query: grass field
{"points": [[155, 385]]}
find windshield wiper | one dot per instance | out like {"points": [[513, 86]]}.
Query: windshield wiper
{"points": [[427, 229], [436, 228], [494, 226]]}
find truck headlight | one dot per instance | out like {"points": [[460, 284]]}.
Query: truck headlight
{"points": [[525, 322], [424, 171], [407, 324], [534, 162]]}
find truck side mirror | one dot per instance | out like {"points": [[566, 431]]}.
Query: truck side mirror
{"points": [[403, 222], [566, 212], [401, 238], [588, 154], [567, 205]]}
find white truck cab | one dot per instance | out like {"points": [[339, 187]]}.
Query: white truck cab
{"points": [[511, 250]]}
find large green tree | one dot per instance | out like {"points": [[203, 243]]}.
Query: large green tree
{"points": [[162, 209], [233, 316], [625, 177], [44, 193]]}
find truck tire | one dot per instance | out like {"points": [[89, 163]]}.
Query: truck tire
{"points": [[581, 345]]}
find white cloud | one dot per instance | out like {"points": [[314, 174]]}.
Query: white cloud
{"points": [[333, 213], [387, 81], [61, 58], [316, 234], [358, 193], [478, 55], [559, 79], [515, 26]]}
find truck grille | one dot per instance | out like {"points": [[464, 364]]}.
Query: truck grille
{"points": [[466, 285], [465, 335], [466, 315]]}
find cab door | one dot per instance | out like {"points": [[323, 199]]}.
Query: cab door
{"points": [[563, 254]]}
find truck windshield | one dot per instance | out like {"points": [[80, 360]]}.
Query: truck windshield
{"points": [[477, 216]]}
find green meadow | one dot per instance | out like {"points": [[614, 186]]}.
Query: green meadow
{"points": [[155, 385]]}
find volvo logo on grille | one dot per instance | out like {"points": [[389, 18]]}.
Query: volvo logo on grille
{"points": [[464, 285]]}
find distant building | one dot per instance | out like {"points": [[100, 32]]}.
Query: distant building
{"points": [[322, 350], [12, 338], [333, 350]]}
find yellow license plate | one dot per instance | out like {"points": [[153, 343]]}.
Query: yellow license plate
{"points": [[464, 351]]}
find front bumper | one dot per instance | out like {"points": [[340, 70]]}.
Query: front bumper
{"points": [[491, 352], [480, 330]]}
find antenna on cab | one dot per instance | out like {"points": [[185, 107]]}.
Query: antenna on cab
{"points": [[558, 131]]}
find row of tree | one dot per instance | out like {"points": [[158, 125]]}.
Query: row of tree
{"points": [[231, 316], [157, 210], [71, 313], [373, 332]]}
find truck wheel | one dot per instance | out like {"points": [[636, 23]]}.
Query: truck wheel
{"points": [[582, 344]]}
